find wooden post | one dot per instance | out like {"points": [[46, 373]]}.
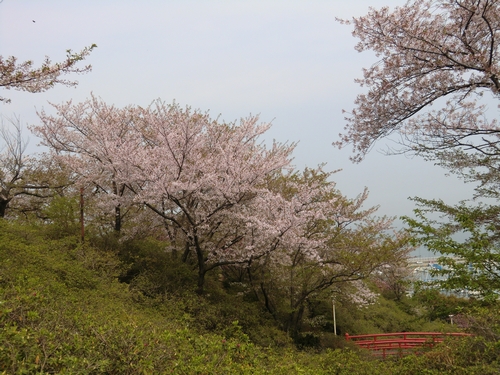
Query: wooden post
{"points": [[334, 319], [82, 223]]}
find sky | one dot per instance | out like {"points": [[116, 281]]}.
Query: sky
{"points": [[289, 61]]}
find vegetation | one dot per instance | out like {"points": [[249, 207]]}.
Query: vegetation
{"points": [[20, 174], [206, 253], [467, 239], [432, 53], [63, 309], [443, 54], [24, 77]]}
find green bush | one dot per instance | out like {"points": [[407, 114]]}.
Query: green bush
{"points": [[63, 311]]}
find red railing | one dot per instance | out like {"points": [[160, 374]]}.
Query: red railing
{"points": [[385, 344]]}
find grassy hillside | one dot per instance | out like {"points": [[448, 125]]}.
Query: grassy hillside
{"points": [[63, 311]]}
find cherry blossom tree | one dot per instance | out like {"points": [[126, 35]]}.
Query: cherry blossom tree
{"points": [[206, 179], [223, 196], [15, 165], [12, 163], [394, 279], [203, 178], [25, 77], [24, 178], [443, 53], [89, 139], [329, 243]]}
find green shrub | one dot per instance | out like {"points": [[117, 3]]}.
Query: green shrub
{"points": [[62, 310]]}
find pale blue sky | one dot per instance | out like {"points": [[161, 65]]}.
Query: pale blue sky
{"points": [[288, 61]]}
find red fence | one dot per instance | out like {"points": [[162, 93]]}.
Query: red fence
{"points": [[385, 344]]}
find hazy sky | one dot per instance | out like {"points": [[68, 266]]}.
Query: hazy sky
{"points": [[288, 61]]}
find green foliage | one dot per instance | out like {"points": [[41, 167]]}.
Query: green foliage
{"points": [[60, 313], [472, 355], [483, 321], [383, 316], [154, 271], [349, 242], [436, 306], [62, 310], [467, 237], [62, 217], [162, 277]]}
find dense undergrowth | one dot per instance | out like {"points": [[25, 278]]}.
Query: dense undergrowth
{"points": [[64, 310]]}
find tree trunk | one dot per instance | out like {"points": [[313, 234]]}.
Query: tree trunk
{"points": [[118, 214], [118, 219], [201, 279], [185, 255], [295, 322], [201, 266], [3, 206]]}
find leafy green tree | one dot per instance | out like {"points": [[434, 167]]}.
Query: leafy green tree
{"points": [[468, 238]]}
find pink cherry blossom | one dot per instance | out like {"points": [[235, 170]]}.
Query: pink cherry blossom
{"points": [[442, 53]]}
